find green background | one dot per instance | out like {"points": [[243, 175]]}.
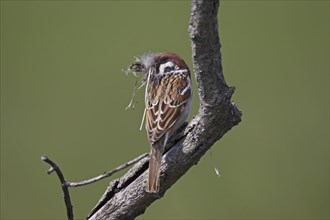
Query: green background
{"points": [[63, 94]]}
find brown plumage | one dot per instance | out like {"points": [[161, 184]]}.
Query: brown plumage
{"points": [[167, 102]]}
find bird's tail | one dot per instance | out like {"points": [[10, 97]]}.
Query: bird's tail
{"points": [[155, 161]]}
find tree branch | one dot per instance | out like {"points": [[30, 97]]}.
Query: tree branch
{"points": [[66, 194], [65, 184], [126, 197], [108, 173]]}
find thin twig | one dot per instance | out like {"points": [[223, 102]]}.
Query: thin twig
{"points": [[67, 200], [65, 184], [107, 174]]}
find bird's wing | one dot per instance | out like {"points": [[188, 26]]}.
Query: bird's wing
{"points": [[165, 101]]}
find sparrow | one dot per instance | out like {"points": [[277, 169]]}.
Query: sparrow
{"points": [[168, 98]]}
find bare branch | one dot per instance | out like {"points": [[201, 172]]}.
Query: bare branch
{"points": [[108, 173], [67, 200], [65, 184], [126, 197]]}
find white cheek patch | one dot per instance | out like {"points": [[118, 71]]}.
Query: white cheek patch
{"points": [[163, 66]]}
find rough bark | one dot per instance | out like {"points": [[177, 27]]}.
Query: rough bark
{"points": [[126, 197]]}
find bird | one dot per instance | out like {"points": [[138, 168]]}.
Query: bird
{"points": [[168, 99]]}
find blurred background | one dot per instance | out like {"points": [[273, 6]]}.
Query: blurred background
{"points": [[64, 93]]}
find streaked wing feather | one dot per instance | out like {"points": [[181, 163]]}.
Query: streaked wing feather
{"points": [[164, 104]]}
